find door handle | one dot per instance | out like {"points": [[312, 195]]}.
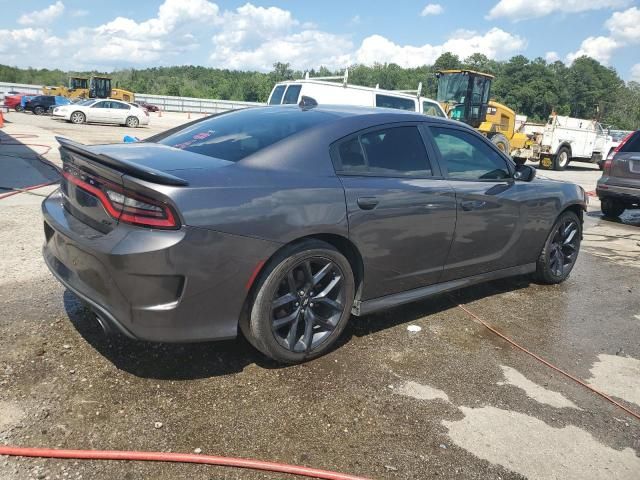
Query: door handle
{"points": [[368, 203], [472, 205]]}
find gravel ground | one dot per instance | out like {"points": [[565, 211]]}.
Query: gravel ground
{"points": [[445, 398]]}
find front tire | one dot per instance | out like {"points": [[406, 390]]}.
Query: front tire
{"points": [[77, 117], [38, 111], [562, 159], [19, 108], [611, 207], [560, 250], [500, 141], [303, 302]]}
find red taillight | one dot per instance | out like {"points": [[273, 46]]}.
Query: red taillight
{"points": [[606, 168], [124, 205]]}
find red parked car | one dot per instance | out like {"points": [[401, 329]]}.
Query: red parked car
{"points": [[13, 102]]}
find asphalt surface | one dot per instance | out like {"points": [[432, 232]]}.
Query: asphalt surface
{"points": [[451, 400]]}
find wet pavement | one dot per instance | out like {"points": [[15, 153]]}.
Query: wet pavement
{"points": [[449, 399]]}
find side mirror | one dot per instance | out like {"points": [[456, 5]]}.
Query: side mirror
{"points": [[524, 173]]}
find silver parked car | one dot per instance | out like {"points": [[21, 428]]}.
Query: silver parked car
{"points": [[619, 187]]}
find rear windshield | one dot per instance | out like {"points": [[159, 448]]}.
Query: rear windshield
{"points": [[235, 135], [276, 96], [633, 144], [388, 101]]}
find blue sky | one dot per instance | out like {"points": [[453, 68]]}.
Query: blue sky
{"points": [[74, 34]]}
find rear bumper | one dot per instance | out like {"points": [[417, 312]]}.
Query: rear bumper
{"points": [[629, 194], [184, 285]]}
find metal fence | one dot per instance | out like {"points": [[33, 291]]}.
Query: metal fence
{"points": [[165, 102]]}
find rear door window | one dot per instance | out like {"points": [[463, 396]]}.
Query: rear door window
{"points": [[291, 96], [399, 103], [387, 152], [276, 96]]}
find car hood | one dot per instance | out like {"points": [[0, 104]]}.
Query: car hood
{"points": [[192, 167]]}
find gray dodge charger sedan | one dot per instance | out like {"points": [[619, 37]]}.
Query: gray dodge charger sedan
{"points": [[282, 222]]}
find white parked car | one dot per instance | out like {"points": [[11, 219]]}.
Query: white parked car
{"points": [[327, 91], [103, 111]]}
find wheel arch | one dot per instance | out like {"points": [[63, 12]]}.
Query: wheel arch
{"points": [[566, 145], [341, 243]]}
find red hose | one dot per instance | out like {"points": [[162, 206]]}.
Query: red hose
{"points": [[26, 189], [546, 362], [175, 457]]}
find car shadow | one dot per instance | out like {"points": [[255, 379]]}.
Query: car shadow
{"points": [[211, 359], [21, 164]]}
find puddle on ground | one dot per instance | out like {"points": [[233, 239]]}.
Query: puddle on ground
{"points": [[535, 391], [617, 376], [534, 449]]}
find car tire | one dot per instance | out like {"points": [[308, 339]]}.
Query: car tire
{"points": [[132, 122], [560, 251], [38, 110], [19, 108], [77, 117], [611, 207], [562, 159], [500, 141], [297, 330]]}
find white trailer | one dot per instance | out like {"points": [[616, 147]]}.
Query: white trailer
{"points": [[566, 139]]}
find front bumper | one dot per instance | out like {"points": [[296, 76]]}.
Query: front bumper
{"points": [[184, 285]]}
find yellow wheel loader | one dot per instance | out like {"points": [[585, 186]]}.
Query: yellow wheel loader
{"points": [[94, 87], [464, 96]]}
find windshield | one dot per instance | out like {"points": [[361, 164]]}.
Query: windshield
{"points": [[432, 109], [86, 102], [452, 87], [77, 83], [235, 135]]}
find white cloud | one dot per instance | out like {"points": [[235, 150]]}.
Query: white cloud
{"points": [[635, 72], [624, 29], [42, 17], [625, 25], [526, 9], [598, 48], [256, 37], [432, 9], [79, 13], [551, 57], [496, 44]]}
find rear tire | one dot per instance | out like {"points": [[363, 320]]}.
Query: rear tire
{"points": [[77, 118], [303, 302], [500, 141], [611, 207], [19, 108], [562, 159], [560, 251], [38, 110], [132, 122]]}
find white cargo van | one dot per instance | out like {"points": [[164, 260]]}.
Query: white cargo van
{"points": [[327, 91]]}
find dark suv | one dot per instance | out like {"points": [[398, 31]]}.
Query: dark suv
{"points": [[40, 105], [619, 187]]}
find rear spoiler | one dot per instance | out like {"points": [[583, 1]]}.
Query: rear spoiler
{"points": [[135, 170]]}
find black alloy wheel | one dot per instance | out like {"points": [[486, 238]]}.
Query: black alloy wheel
{"points": [[308, 304], [560, 252]]}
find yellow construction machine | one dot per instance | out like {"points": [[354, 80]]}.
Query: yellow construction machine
{"points": [[94, 87], [464, 95]]}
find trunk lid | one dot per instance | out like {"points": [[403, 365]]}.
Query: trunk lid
{"points": [[89, 172]]}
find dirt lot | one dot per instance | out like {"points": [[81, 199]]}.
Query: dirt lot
{"points": [[449, 401]]}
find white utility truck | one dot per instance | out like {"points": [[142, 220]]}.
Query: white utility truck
{"points": [[337, 91], [566, 139]]}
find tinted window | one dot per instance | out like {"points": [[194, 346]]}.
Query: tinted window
{"points": [[276, 96], [121, 106], [633, 144], [399, 103], [387, 152], [430, 108], [236, 135], [291, 97], [102, 105], [468, 157]]}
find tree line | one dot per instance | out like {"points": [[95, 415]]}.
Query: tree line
{"points": [[536, 88]]}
